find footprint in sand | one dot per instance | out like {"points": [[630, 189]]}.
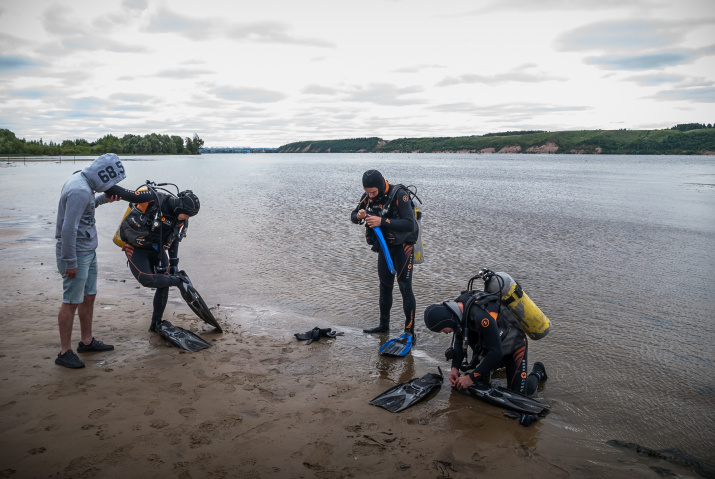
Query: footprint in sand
{"points": [[150, 408], [187, 412], [97, 413], [37, 450]]}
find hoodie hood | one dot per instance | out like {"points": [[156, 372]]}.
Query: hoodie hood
{"points": [[104, 172]]}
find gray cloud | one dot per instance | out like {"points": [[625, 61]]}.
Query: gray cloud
{"points": [[183, 73], [30, 93], [167, 21], [384, 94], [622, 35], [17, 63], [319, 90], [656, 79], [498, 6], [73, 35], [250, 95], [507, 111], [695, 95], [636, 45], [648, 61], [499, 79]]}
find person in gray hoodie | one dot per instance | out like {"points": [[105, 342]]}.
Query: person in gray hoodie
{"points": [[76, 235]]}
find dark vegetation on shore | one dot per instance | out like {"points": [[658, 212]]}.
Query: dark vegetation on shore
{"points": [[683, 139], [152, 144]]}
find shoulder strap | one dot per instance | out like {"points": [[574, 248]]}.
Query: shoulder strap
{"points": [[391, 198]]}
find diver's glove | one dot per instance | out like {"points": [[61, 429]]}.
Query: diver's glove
{"points": [[527, 419], [316, 333], [173, 270]]}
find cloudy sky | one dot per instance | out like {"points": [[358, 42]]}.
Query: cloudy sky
{"points": [[270, 72]]}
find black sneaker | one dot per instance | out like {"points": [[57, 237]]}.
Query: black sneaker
{"points": [[93, 346], [69, 360]]}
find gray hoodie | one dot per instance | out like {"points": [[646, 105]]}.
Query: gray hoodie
{"points": [[76, 232]]}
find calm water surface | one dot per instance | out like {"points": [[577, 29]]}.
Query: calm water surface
{"points": [[618, 251]]}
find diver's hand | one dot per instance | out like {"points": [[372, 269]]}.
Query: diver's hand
{"points": [[361, 215], [112, 199], [464, 382], [373, 221], [453, 376]]}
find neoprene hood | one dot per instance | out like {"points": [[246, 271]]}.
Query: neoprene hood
{"points": [[374, 179], [438, 316]]}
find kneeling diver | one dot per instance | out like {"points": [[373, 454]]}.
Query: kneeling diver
{"points": [[494, 336]]}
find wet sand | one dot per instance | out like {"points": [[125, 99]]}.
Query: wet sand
{"points": [[258, 404]]}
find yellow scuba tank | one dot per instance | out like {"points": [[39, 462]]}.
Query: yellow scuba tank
{"points": [[117, 239], [531, 319], [418, 250]]}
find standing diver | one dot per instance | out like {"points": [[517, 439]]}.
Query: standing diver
{"points": [[389, 207], [151, 235], [495, 336]]}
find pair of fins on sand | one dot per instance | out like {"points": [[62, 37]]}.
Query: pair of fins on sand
{"points": [[402, 396], [181, 337]]}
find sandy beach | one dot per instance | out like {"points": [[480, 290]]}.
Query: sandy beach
{"points": [[258, 404]]}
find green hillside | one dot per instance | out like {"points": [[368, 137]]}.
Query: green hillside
{"points": [[679, 140]]}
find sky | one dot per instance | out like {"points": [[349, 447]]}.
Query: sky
{"points": [[270, 72]]}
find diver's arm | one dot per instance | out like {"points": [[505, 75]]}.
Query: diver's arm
{"points": [[406, 220], [491, 343], [361, 206], [130, 195], [174, 257]]}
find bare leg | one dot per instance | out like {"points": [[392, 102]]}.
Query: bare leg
{"points": [[65, 318], [86, 313]]}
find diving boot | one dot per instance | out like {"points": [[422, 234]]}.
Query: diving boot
{"points": [[383, 327], [539, 371]]}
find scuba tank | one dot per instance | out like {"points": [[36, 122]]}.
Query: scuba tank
{"points": [[531, 319], [117, 238], [418, 250]]}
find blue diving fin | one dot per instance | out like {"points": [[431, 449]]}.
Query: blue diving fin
{"points": [[398, 346], [385, 251]]}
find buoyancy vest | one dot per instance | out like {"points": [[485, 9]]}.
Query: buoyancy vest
{"points": [[511, 334], [146, 225], [386, 206]]}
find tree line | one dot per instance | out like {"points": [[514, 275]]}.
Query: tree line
{"points": [[151, 144], [683, 139]]}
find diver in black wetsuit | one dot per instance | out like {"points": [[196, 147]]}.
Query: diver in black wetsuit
{"points": [[152, 252], [400, 231], [494, 335]]}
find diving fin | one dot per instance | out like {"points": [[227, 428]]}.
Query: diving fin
{"points": [[181, 337], [398, 346], [195, 301], [402, 396], [506, 398]]}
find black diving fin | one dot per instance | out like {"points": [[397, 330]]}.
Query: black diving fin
{"points": [[506, 398], [398, 346], [195, 301], [181, 337], [402, 396]]}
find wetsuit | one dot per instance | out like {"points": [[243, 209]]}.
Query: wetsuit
{"points": [[399, 228], [152, 268], [498, 341]]}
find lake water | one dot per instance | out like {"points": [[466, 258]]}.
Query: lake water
{"points": [[618, 251]]}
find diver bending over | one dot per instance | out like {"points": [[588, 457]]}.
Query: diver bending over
{"points": [[152, 248]]}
